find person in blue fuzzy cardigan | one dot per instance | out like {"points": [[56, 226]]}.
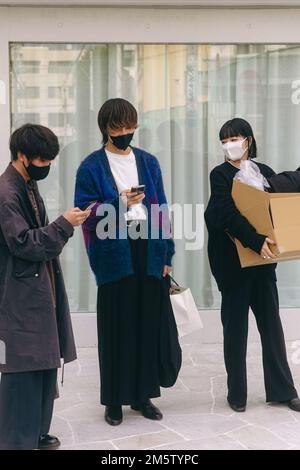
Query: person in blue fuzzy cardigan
{"points": [[129, 265]]}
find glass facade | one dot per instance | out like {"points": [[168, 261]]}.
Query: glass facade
{"points": [[183, 94]]}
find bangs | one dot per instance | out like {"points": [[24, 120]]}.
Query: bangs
{"points": [[119, 124], [121, 114], [234, 128]]}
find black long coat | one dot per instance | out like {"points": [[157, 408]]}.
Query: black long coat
{"points": [[35, 328], [286, 182]]}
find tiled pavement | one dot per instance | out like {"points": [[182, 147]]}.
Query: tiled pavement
{"points": [[196, 415]]}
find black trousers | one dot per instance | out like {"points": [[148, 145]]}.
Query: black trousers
{"points": [[129, 312], [261, 295], [26, 408]]}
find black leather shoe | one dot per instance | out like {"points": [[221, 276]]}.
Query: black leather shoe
{"points": [[48, 442], [148, 410], [294, 404], [237, 408], [113, 415]]}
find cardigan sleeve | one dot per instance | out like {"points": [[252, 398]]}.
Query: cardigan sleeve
{"points": [[162, 200], [222, 214], [86, 192]]}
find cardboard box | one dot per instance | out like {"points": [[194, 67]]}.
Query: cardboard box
{"points": [[276, 215]]}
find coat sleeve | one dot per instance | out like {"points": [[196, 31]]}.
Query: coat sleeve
{"points": [[86, 192], [222, 214], [286, 182], [39, 244], [166, 220]]}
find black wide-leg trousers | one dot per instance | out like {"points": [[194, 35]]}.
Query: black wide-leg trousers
{"points": [[129, 313], [26, 408], [261, 295]]}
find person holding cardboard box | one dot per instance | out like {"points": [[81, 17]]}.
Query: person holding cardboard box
{"points": [[253, 287]]}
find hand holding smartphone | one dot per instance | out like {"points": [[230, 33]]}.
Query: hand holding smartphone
{"points": [[138, 189], [90, 206]]}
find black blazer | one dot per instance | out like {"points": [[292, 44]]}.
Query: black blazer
{"points": [[222, 216]]}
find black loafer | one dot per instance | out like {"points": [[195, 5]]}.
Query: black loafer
{"points": [[48, 442], [237, 408], [293, 404], [113, 415], [148, 410]]}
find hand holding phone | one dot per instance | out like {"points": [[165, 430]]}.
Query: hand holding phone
{"points": [[138, 189], [134, 196], [90, 206]]}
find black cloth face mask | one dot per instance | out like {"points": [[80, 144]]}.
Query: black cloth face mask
{"points": [[122, 141], [37, 172]]}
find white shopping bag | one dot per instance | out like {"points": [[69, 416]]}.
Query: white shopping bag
{"points": [[185, 310]]}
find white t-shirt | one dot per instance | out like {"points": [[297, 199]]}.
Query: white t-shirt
{"points": [[124, 170]]}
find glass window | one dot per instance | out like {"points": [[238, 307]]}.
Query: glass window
{"points": [[27, 66], [59, 66], [22, 118], [29, 92], [56, 119], [54, 92], [183, 94]]}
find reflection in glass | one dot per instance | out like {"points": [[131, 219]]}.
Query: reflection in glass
{"points": [[183, 94]]}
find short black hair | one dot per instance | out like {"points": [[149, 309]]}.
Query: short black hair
{"points": [[34, 140], [115, 114], [239, 127]]}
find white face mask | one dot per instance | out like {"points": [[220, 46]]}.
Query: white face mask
{"points": [[234, 150]]}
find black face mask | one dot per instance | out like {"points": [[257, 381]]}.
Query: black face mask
{"points": [[37, 172], [122, 141]]}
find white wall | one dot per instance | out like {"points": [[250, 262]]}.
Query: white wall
{"points": [[177, 3]]}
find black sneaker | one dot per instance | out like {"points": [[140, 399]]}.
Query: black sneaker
{"points": [[48, 442]]}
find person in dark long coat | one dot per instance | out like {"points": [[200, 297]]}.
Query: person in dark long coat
{"points": [[129, 270], [35, 324], [241, 289], [285, 182]]}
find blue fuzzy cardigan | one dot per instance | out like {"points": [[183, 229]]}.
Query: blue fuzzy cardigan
{"points": [[110, 259]]}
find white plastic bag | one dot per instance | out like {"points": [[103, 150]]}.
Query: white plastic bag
{"points": [[250, 174], [186, 314]]}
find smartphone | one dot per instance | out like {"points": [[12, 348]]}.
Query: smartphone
{"points": [[90, 206], [138, 189]]}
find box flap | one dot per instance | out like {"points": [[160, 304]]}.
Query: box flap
{"points": [[246, 196]]}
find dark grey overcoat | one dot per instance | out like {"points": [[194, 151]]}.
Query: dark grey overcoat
{"points": [[35, 325]]}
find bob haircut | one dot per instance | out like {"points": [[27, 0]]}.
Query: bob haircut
{"points": [[238, 127], [115, 114]]}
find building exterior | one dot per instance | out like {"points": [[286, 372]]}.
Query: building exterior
{"points": [[187, 67]]}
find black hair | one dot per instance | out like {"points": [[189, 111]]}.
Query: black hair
{"points": [[115, 114], [34, 140], [239, 127]]}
